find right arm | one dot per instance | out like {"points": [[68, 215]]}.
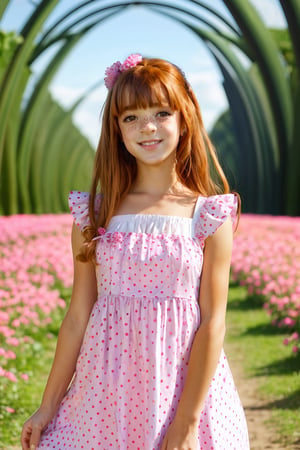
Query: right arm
{"points": [[69, 341]]}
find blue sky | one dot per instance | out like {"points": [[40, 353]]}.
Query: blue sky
{"points": [[138, 30]]}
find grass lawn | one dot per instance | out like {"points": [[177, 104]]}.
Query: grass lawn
{"points": [[263, 356], [258, 344]]}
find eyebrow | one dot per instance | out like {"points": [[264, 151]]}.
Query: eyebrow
{"points": [[154, 105]]}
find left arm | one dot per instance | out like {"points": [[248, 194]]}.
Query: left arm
{"points": [[208, 341]]}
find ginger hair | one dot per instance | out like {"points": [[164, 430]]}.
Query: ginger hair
{"points": [[152, 81]]}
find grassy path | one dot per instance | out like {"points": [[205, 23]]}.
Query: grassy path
{"points": [[265, 372]]}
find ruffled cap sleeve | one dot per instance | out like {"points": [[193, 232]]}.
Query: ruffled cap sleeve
{"points": [[79, 207], [213, 212]]}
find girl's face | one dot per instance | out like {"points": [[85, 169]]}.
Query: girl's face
{"points": [[151, 135]]}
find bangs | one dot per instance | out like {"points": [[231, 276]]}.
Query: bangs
{"points": [[140, 92]]}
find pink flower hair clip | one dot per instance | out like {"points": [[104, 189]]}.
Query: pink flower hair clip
{"points": [[112, 72]]}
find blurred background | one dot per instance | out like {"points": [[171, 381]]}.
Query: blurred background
{"points": [[239, 56], [242, 58]]}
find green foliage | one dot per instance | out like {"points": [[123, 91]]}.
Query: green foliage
{"points": [[8, 43], [39, 143], [224, 139], [278, 167], [284, 44]]}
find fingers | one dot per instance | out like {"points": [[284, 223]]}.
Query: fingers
{"points": [[35, 437], [164, 444], [31, 435], [25, 436]]}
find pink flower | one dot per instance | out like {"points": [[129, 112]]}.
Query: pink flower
{"points": [[288, 321], [112, 72], [13, 341], [131, 61], [10, 410], [11, 376], [10, 355], [295, 349], [24, 376], [101, 231]]}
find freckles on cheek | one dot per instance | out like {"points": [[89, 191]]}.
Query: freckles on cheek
{"points": [[131, 128]]}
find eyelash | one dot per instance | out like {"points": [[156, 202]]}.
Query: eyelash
{"points": [[129, 119], [165, 113]]}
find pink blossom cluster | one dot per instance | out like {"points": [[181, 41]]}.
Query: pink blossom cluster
{"points": [[266, 259], [35, 265], [112, 72]]}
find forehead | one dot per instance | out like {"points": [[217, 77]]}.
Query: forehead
{"points": [[142, 97]]}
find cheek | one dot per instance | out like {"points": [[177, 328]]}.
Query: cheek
{"points": [[128, 136], [129, 131], [125, 135]]}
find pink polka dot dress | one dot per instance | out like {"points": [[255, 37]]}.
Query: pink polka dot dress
{"points": [[133, 361]]}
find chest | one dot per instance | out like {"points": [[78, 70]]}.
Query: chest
{"points": [[167, 205], [149, 256]]}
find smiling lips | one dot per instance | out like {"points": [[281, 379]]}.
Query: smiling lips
{"points": [[150, 143]]}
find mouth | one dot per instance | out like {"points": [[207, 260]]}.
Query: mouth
{"points": [[150, 143]]}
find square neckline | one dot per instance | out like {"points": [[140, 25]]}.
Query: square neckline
{"points": [[196, 207]]}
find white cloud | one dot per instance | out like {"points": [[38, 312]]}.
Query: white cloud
{"points": [[65, 95], [210, 93], [87, 115], [89, 123]]}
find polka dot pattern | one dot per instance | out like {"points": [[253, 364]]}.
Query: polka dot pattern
{"points": [[133, 361], [212, 212]]}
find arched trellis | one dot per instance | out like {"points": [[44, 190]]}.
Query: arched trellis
{"points": [[265, 117]]}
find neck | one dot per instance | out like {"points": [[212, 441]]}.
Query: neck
{"points": [[156, 182]]}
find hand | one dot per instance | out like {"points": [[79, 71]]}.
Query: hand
{"points": [[33, 427], [181, 437]]}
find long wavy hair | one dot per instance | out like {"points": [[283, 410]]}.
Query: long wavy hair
{"points": [[152, 81]]}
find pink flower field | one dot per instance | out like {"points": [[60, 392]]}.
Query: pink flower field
{"points": [[36, 266], [266, 259]]}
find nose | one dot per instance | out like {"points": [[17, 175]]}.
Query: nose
{"points": [[148, 125]]}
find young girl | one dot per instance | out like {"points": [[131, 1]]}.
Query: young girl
{"points": [[141, 343]]}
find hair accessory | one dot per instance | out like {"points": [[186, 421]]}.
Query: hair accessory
{"points": [[101, 231], [112, 72]]}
